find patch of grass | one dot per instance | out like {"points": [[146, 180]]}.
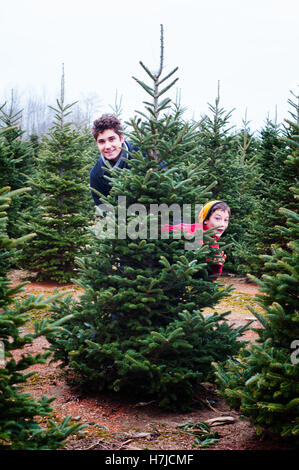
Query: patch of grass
{"points": [[33, 380], [237, 303], [202, 432]]}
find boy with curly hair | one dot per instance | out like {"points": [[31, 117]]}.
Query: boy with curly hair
{"points": [[110, 140]]}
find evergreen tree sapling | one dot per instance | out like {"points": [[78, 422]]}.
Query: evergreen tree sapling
{"points": [[63, 200], [263, 381], [16, 163], [231, 165], [272, 191], [19, 412], [139, 327]]}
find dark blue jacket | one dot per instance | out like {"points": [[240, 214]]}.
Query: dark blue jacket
{"points": [[96, 176]]}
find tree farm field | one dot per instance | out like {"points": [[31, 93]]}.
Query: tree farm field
{"points": [[115, 422]]}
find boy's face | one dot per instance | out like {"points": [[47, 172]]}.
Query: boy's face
{"points": [[109, 144], [219, 219]]}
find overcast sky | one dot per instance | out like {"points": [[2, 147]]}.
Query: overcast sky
{"points": [[251, 47]]}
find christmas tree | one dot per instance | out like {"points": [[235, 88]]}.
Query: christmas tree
{"points": [[19, 412], [272, 191], [231, 164], [263, 380], [139, 327], [16, 162], [63, 201]]}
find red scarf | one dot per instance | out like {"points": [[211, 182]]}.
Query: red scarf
{"points": [[189, 229]]}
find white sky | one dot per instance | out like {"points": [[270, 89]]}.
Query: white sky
{"points": [[251, 47]]}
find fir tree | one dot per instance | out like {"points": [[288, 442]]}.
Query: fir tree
{"points": [[263, 380], [139, 327], [272, 191], [63, 201], [16, 162], [231, 165], [19, 412]]}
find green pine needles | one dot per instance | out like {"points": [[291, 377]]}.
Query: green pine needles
{"points": [[19, 412], [139, 329], [62, 217], [16, 162], [263, 381]]}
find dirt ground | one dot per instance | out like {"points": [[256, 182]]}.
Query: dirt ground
{"points": [[115, 423]]}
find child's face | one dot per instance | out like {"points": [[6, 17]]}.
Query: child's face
{"points": [[219, 219]]}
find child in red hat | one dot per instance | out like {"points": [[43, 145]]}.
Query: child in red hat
{"points": [[214, 214]]}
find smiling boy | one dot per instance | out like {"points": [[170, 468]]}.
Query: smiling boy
{"points": [[110, 140]]}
